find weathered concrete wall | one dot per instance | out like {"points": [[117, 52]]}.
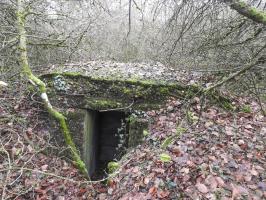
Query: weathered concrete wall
{"points": [[75, 90], [90, 141], [136, 128], [76, 121]]}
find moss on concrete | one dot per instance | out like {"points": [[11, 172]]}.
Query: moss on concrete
{"points": [[102, 93], [100, 104], [82, 91]]}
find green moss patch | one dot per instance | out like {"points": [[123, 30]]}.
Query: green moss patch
{"points": [[77, 90]]}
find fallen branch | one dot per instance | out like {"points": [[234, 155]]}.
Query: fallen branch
{"points": [[243, 70], [229, 78]]}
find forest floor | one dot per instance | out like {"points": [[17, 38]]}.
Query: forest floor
{"points": [[221, 155]]}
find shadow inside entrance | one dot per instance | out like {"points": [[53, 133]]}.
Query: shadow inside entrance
{"points": [[106, 139]]}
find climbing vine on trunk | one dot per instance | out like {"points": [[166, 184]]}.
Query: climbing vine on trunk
{"points": [[21, 20]]}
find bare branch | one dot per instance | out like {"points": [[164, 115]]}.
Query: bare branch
{"points": [[248, 11], [129, 17]]}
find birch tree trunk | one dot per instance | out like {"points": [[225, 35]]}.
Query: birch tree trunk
{"points": [[21, 20]]}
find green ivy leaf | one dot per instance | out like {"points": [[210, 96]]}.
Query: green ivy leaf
{"points": [[171, 139], [167, 142], [145, 133], [112, 166], [165, 157]]}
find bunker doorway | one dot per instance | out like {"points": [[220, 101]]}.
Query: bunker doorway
{"points": [[106, 139]]}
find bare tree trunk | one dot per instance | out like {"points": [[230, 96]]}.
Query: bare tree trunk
{"points": [[21, 20]]}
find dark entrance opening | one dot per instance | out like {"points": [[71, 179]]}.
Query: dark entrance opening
{"points": [[106, 139]]}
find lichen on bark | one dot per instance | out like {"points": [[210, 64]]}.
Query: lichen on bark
{"points": [[21, 20], [248, 11]]}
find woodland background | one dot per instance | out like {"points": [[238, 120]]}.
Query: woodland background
{"points": [[209, 38]]}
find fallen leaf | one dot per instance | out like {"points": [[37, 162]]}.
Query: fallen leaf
{"points": [[248, 126], [44, 167], [185, 170], [159, 170], [220, 181], [165, 157], [82, 191], [146, 180], [110, 191], [135, 169], [153, 191], [16, 107], [163, 194], [263, 131], [235, 191], [241, 142], [202, 188], [30, 148], [208, 124], [29, 131], [177, 151], [248, 178], [262, 186], [211, 181], [60, 198], [103, 196], [254, 172], [134, 196], [215, 133], [229, 130]]}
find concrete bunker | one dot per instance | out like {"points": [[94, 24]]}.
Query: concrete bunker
{"points": [[104, 136], [99, 108]]}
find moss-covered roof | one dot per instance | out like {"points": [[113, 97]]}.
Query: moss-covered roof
{"points": [[109, 85], [122, 71]]}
